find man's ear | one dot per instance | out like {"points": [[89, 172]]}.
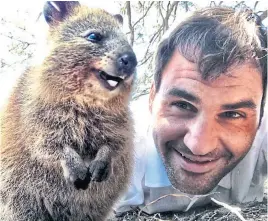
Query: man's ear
{"points": [[57, 11], [151, 97], [119, 18]]}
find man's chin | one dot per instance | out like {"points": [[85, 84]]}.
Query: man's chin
{"points": [[193, 190], [194, 184]]}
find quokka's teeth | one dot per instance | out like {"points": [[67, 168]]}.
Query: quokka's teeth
{"points": [[122, 77], [112, 83]]}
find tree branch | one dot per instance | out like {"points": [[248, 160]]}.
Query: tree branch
{"points": [[175, 12], [212, 4], [186, 6], [159, 9], [12, 38], [255, 5], [171, 8], [145, 57], [239, 4], [144, 92], [263, 15], [146, 12], [129, 23]]}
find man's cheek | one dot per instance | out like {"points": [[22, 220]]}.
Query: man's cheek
{"points": [[240, 140], [168, 132]]}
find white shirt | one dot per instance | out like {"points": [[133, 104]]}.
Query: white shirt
{"points": [[150, 184]]}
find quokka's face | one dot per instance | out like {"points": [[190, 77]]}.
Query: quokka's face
{"points": [[90, 56]]}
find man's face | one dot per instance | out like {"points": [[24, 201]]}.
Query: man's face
{"points": [[202, 129]]}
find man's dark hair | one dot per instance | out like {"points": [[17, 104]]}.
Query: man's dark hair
{"points": [[215, 39]]}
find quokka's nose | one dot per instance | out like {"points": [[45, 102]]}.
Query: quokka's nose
{"points": [[127, 63]]}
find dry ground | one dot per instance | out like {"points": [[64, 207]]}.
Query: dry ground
{"points": [[250, 211]]}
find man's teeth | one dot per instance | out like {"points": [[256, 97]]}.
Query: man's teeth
{"points": [[112, 83]]}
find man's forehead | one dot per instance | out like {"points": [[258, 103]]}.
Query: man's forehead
{"points": [[224, 87], [245, 74]]}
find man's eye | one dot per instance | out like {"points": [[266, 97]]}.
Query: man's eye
{"points": [[184, 106], [232, 115], [94, 37]]}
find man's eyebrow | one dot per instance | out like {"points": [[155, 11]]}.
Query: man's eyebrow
{"points": [[183, 94], [241, 104]]}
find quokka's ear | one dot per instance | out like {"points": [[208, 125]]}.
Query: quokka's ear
{"points": [[57, 11], [119, 18]]}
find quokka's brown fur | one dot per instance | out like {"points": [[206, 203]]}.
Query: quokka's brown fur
{"points": [[61, 126]]}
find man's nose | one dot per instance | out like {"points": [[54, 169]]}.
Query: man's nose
{"points": [[201, 137]]}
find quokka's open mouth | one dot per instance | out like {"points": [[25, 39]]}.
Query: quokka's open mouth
{"points": [[109, 81]]}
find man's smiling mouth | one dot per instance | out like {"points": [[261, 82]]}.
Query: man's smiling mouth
{"points": [[197, 159], [195, 164]]}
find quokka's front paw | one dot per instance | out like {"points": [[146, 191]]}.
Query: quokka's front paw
{"points": [[82, 183], [74, 169], [76, 174], [99, 170]]}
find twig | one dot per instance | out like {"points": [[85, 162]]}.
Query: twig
{"points": [[255, 5], [171, 8], [239, 4], [234, 210], [175, 12], [135, 97], [143, 15], [145, 59], [223, 217], [12, 37], [159, 7], [155, 35]]}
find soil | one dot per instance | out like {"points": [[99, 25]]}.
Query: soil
{"points": [[254, 211]]}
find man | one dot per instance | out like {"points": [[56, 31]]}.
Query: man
{"points": [[208, 116]]}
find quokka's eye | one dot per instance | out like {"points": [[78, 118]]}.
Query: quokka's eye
{"points": [[94, 37]]}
